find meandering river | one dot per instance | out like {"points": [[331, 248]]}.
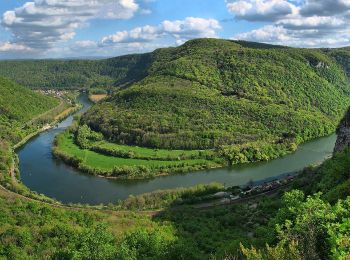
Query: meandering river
{"points": [[41, 172]]}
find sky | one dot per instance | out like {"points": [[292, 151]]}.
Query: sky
{"points": [[106, 28]]}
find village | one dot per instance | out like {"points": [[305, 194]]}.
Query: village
{"points": [[53, 92]]}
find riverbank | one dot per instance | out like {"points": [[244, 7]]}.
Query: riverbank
{"points": [[45, 175], [56, 114], [76, 174], [109, 166], [46, 127]]}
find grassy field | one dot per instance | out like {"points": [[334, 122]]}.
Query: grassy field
{"points": [[97, 97], [153, 154], [94, 162]]}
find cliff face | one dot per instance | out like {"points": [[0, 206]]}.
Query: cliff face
{"points": [[343, 133]]}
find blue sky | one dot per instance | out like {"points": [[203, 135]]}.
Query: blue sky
{"points": [[76, 28]]}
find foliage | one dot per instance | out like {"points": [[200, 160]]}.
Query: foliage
{"points": [[18, 107], [245, 101], [84, 136], [29, 229], [332, 178], [109, 166], [166, 198], [77, 74], [249, 102], [142, 244], [281, 251], [88, 139]]}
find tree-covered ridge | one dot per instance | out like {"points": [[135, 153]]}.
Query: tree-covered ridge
{"points": [[18, 105], [23, 113], [76, 74], [229, 96]]}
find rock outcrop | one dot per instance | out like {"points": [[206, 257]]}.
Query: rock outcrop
{"points": [[343, 134]]}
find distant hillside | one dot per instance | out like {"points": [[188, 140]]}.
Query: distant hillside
{"points": [[208, 93], [76, 74], [18, 105], [212, 93]]}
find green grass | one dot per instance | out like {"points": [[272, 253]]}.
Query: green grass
{"points": [[95, 160], [143, 152]]}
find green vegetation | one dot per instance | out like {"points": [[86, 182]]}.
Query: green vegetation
{"points": [[222, 101], [76, 74], [247, 102], [252, 102], [244, 101], [32, 230], [18, 107], [111, 166], [169, 198], [88, 139], [24, 113]]}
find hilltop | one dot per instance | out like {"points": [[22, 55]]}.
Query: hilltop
{"points": [[247, 101], [75, 74]]}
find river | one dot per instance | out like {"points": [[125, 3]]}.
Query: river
{"points": [[42, 173]]}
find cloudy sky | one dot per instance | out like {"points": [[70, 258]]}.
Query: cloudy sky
{"points": [[81, 28]]}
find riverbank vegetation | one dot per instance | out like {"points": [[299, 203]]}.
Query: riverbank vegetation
{"points": [[170, 198], [21, 109], [292, 225], [24, 113], [237, 103], [309, 222], [97, 163], [247, 102]]}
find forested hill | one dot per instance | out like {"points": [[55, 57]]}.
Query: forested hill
{"points": [[75, 74], [18, 105], [129, 68], [208, 93], [245, 99]]}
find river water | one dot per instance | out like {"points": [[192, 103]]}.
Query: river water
{"points": [[41, 172]]}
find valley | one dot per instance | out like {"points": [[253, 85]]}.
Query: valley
{"points": [[129, 174]]}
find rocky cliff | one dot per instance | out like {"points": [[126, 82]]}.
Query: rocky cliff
{"points": [[343, 133]]}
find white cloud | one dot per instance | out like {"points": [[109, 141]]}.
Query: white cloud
{"points": [[13, 47], [298, 38], [260, 10], [181, 30], [85, 44], [268, 34], [138, 34], [191, 27], [43, 23], [312, 23], [148, 37], [324, 7]]}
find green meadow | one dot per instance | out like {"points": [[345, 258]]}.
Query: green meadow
{"points": [[112, 166], [153, 154]]}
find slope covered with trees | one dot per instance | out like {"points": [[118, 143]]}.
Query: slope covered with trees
{"points": [[19, 105], [249, 102], [23, 113], [76, 74], [297, 225]]}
